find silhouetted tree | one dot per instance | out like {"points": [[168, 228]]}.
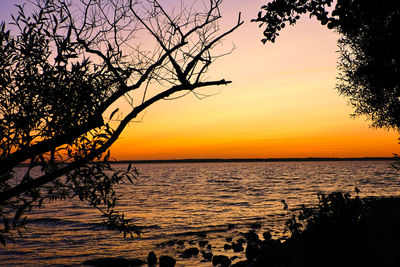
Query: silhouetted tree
{"points": [[65, 69], [369, 62]]}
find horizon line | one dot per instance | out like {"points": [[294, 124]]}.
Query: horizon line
{"points": [[222, 160]]}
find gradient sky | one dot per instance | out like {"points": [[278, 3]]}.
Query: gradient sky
{"points": [[282, 103]]}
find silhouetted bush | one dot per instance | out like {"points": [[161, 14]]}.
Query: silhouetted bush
{"points": [[330, 234]]}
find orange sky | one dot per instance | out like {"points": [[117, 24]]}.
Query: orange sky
{"points": [[282, 103]]}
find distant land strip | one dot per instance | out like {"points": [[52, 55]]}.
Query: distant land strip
{"points": [[254, 160]]}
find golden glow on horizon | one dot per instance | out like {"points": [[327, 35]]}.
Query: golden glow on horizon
{"points": [[282, 103]]}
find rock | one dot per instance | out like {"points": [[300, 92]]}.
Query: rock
{"points": [[237, 247], [251, 236], [190, 252], [227, 247], [224, 261], [207, 255], [267, 236], [234, 258], [203, 243], [241, 241], [167, 261], [151, 258], [228, 239], [209, 246]]}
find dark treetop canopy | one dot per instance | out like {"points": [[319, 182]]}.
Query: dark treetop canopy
{"points": [[369, 63]]}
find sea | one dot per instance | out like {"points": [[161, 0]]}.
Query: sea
{"points": [[190, 202]]}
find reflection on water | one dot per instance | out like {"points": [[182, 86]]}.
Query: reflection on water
{"points": [[175, 201]]}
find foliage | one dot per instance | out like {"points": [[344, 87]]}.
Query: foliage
{"points": [[369, 55], [336, 210], [332, 233], [66, 70], [336, 226], [278, 13]]}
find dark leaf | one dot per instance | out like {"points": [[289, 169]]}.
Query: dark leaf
{"points": [[18, 214], [113, 113]]}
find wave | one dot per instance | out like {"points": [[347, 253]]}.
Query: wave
{"points": [[219, 181], [48, 221], [77, 225]]}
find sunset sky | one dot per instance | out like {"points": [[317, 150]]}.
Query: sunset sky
{"points": [[281, 103]]}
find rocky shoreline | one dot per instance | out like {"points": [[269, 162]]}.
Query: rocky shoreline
{"points": [[341, 231]]}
